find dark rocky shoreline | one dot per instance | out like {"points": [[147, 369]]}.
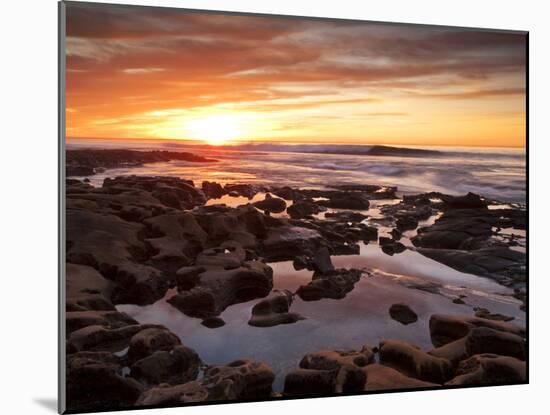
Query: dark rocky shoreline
{"points": [[134, 238], [88, 162]]}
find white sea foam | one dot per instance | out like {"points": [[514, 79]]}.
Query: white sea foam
{"points": [[494, 173]]}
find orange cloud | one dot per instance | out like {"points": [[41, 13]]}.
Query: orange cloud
{"points": [[298, 79]]}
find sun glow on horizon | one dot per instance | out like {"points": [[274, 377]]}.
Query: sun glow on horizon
{"points": [[215, 129]]}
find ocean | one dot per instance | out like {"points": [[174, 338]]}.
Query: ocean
{"points": [[495, 173]]}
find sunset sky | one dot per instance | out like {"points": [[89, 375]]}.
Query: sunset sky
{"points": [[221, 79]]}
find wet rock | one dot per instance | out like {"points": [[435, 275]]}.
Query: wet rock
{"points": [[213, 322], [213, 190], [286, 242], [481, 340], [321, 261], [79, 171], [95, 382], [77, 161], [167, 395], [87, 289], [454, 351], [329, 371], [335, 284], [368, 233], [179, 239], [455, 230], [354, 217], [271, 204], [243, 379], [484, 313], [310, 382], [300, 262], [88, 302], [486, 340], [420, 284], [172, 192], [150, 340], [346, 200], [229, 255], [406, 223], [220, 288], [99, 338], [245, 190], [336, 359], [187, 277], [468, 229], [287, 193], [501, 264], [304, 209], [177, 365], [381, 377], [403, 313], [384, 240], [76, 320], [468, 201], [373, 191], [396, 234], [446, 328], [413, 362], [274, 310], [244, 224], [113, 247], [490, 369], [393, 248]]}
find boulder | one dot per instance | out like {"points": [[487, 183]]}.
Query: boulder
{"points": [[406, 223], [485, 313], [150, 340], [413, 362], [243, 379], [403, 313], [309, 382], [76, 320], [346, 200], [482, 340], [334, 284], [468, 201], [501, 264], [304, 209], [274, 310], [178, 239], [229, 255], [99, 338], [168, 395], [220, 288], [329, 371], [346, 216], [393, 248], [286, 242], [213, 190], [446, 328], [321, 261], [213, 322], [489, 369], [113, 247], [246, 190], [188, 276], [271, 204], [177, 365], [381, 377], [95, 382]]}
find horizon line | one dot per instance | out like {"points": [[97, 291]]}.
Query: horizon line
{"points": [[236, 143]]}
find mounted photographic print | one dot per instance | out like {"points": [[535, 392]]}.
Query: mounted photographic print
{"points": [[261, 207]]}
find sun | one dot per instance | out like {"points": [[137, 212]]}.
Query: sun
{"points": [[216, 129]]}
